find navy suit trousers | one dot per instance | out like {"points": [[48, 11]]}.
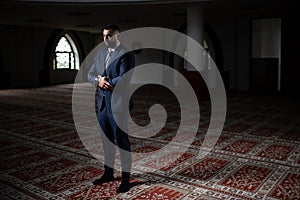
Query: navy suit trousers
{"points": [[112, 135]]}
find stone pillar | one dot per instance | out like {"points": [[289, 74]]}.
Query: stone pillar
{"points": [[195, 29]]}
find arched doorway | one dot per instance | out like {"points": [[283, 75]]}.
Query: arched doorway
{"points": [[213, 52], [211, 44]]}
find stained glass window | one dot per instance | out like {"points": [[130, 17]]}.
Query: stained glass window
{"points": [[66, 54]]}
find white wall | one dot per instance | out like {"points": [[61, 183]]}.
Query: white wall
{"points": [[266, 37], [266, 41]]}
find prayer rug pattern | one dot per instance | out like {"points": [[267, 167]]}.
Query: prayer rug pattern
{"points": [[256, 156]]}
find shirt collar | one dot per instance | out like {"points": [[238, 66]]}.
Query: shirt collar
{"points": [[113, 49]]}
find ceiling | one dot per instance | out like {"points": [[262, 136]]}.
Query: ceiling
{"points": [[91, 14]]}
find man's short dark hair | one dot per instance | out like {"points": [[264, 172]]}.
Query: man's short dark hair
{"points": [[113, 27]]}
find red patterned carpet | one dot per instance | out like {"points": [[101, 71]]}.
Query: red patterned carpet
{"points": [[256, 157]]}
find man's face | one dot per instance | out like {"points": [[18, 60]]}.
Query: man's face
{"points": [[110, 37]]}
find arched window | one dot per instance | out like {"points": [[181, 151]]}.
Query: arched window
{"points": [[66, 54]]}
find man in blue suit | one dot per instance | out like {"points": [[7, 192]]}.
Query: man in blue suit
{"points": [[108, 69]]}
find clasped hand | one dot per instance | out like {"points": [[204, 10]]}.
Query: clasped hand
{"points": [[103, 83]]}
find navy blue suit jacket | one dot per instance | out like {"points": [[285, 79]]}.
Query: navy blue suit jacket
{"points": [[121, 61]]}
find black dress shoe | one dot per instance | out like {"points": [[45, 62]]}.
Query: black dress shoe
{"points": [[124, 187], [104, 179]]}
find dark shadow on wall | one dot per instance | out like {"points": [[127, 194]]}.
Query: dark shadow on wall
{"points": [[264, 74], [4, 76], [290, 54]]}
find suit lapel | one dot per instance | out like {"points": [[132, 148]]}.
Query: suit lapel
{"points": [[102, 61]]}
